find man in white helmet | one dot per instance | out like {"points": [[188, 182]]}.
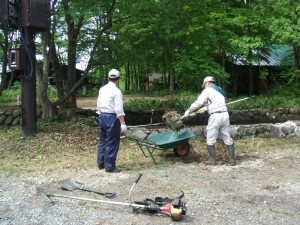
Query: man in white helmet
{"points": [[112, 122], [213, 97]]}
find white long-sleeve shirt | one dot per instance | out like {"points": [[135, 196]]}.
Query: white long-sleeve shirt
{"points": [[215, 101], [110, 100]]}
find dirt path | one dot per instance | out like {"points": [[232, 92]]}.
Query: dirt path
{"points": [[263, 188]]}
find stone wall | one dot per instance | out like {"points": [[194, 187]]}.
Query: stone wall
{"points": [[253, 116], [277, 130], [10, 118], [256, 122], [13, 117]]}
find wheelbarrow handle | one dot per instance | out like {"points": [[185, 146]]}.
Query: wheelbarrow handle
{"points": [[106, 194]]}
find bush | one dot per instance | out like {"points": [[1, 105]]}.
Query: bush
{"points": [[178, 104], [9, 97]]}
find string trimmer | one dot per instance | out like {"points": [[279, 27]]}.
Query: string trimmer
{"points": [[175, 208], [178, 123]]}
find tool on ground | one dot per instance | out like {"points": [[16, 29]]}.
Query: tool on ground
{"points": [[71, 185], [175, 208], [178, 124]]}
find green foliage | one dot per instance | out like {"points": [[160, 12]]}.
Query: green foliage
{"points": [[52, 92], [9, 97], [175, 103], [187, 39], [193, 67], [288, 91], [281, 97], [266, 134], [285, 24], [264, 102], [92, 92], [143, 104], [291, 74]]}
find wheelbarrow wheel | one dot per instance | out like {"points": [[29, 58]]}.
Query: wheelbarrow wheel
{"points": [[182, 150]]}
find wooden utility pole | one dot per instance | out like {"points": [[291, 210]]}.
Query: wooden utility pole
{"points": [[30, 17], [28, 85]]}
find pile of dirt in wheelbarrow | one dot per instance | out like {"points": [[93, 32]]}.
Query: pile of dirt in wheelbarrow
{"points": [[263, 188]]}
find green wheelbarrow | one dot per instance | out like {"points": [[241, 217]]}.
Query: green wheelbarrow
{"points": [[178, 141]]}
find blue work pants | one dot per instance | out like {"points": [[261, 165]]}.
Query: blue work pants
{"points": [[109, 140]]}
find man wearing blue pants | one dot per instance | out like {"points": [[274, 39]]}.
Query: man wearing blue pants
{"points": [[112, 122]]}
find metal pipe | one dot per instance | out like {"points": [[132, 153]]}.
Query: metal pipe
{"points": [[96, 200]]}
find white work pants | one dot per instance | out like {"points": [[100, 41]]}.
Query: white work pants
{"points": [[218, 126]]}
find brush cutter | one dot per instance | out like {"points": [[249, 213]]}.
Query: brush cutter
{"points": [[175, 208], [178, 124], [71, 185]]}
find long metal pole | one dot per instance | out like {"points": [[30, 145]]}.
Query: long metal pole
{"points": [[96, 200], [28, 86]]}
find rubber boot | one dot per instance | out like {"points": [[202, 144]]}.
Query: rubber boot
{"points": [[231, 155], [212, 155]]}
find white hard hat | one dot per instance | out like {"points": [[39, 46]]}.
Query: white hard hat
{"points": [[208, 79], [114, 73]]}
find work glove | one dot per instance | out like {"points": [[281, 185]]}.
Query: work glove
{"points": [[123, 127]]}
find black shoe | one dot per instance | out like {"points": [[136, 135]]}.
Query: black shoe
{"points": [[116, 170], [100, 167]]}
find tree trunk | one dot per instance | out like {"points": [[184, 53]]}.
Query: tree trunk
{"points": [[58, 71], [251, 80], [296, 56], [5, 60], [171, 59], [235, 84], [274, 78], [73, 32], [71, 101], [74, 36], [172, 80], [48, 111], [148, 81], [11, 80], [223, 83], [131, 77], [127, 77]]}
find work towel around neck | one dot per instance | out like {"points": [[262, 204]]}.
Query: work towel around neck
{"points": [[218, 89]]}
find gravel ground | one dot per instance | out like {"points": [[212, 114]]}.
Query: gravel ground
{"points": [[263, 188]]}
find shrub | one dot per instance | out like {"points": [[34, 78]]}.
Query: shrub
{"points": [[178, 104]]}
